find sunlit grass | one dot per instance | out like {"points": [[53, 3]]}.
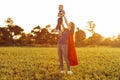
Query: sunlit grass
{"points": [[34, 63]]}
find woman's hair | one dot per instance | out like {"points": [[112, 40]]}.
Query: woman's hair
{"points": [[72, 25]]}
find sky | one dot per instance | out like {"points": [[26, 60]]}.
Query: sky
{"points": [[30, 13]]}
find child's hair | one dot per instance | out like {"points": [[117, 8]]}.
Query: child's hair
{"points": [[61, 5]]}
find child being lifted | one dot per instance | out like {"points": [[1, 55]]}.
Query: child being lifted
{"points": [[61, 13]]}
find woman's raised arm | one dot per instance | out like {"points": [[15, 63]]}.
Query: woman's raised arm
{"points": [[67, 23]]}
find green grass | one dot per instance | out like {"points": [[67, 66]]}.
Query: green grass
{"points": [[34, 63]]}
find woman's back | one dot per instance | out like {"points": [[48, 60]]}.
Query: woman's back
{"points": [[64, 37]]}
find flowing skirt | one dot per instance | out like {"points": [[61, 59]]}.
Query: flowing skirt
{"points": [[72, 51]]}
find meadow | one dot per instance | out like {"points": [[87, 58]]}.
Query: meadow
{"points": [[35, 63]]}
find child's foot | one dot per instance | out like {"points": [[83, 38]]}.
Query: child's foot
{"points": [[70, 72], [56, 31], [62, 72]]}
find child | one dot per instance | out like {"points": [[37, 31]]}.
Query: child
{"points": [[61, 13]]}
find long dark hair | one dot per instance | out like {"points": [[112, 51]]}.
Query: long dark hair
{"points": [[72, 25]]}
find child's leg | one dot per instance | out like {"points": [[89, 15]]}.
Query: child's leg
{"points": [[60, 20]]}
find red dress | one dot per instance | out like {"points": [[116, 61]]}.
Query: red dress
{"points": [[71, 51]]}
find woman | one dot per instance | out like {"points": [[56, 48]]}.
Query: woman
{"points": [[63, 46], [71, 50]]}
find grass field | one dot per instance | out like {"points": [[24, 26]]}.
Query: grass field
{"points": [[34, 63]]}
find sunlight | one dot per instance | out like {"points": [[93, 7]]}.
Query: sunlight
{"points": [[45, 12]]}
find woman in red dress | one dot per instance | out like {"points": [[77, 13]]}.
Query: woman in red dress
{"points": [[71, 45]]}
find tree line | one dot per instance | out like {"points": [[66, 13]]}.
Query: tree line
{"points": [[14, 35]]}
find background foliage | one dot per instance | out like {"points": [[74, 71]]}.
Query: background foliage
{"points": [[13, 35]]}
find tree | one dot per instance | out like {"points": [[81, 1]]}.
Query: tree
{"points": [[95, 39], [117, 41], [11, 32], [52, 38], [26, 39], [5, 37], [107, 42], [91, 27], [2, 38], [36, 32], [15, 30], [41, 36], [44, 36], [80, 37], [9, 21], [48, 26]]}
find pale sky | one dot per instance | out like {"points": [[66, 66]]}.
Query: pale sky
{"points": [[30, 13]]}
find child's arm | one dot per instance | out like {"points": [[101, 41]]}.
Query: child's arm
{"points": [[67, 23]]}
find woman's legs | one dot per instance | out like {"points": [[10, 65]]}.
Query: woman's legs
{"points": [[65, 54], [63, 51], [60, 57]]}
